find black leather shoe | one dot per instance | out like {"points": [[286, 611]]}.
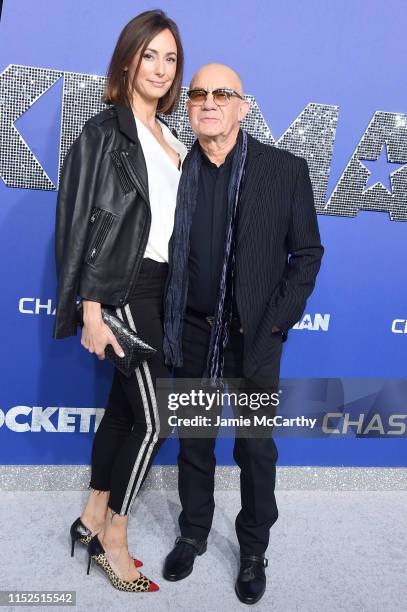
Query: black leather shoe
{"points": [[180, 561], [251, 581]]}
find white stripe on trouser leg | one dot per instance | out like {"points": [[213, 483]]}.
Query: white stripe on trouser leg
{"points": [[155, 436], [149, 429], [138, 463], [130, 317], [147, 374]]}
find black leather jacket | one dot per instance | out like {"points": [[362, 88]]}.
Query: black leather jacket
{"points": [[103, 216]]}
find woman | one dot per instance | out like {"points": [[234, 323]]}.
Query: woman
{"points": [[115, 212]]}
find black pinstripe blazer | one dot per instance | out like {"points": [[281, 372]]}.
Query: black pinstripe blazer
{"points": [[278, 251]]}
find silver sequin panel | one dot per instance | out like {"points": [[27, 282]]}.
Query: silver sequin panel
{"points": [[20, 88], [76, 477], [350, 195], [311, 135]]}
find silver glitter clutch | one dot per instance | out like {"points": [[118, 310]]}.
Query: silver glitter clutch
{"points": [[134, 348]]}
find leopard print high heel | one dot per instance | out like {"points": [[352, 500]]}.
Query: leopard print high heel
{"points": [[80, 533], [139, 585]]}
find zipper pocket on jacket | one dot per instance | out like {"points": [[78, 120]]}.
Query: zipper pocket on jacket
{"points": [[128, 165], [125, 180], [100, 234]]}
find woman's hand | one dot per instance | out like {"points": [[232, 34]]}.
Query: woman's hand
{"points": [[95, 333]]}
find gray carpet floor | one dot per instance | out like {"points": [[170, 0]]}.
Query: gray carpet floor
{"points": [[329, 550]]}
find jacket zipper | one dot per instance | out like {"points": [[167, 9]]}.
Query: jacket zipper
{"points": [[95, 214], [136, 182], [123, 176], [130, 171], [102, 232]]}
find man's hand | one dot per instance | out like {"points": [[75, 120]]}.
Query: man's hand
{"points": [[275, 329]]}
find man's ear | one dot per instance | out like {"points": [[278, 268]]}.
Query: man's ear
{"points": [[244, 109], [187, 105]]}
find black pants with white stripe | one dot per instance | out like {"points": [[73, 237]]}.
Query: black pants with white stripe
{"points": [[134, 425]]}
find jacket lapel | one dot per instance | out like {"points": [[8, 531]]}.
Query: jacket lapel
{"points": [[128, 127], [251, 178]]}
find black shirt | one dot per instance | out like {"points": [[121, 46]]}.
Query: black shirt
{"points": [[208, 234]]}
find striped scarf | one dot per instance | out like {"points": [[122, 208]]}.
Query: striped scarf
{"points": [[176, 291]]}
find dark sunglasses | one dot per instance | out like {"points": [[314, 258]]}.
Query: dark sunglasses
{"points": [[221, 96]]}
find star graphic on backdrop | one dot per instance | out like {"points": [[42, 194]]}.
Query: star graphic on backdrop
{"points": [[380, 170]]}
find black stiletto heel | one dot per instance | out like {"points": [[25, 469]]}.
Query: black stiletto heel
{"points": [[79, 532], [89, 563]]}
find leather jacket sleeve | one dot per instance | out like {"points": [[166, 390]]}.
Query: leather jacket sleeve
{"points": [[76, 196]]}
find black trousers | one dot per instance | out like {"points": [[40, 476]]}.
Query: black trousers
{"points": [[134, 424], [256, 456]]}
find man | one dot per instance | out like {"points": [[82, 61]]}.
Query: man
{"points": [[245, 253]]}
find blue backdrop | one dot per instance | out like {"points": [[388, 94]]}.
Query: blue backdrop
{"points": [[349, 55]]}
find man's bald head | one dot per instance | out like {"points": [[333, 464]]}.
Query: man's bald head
{"points": [[212, 76], [217, 122]]}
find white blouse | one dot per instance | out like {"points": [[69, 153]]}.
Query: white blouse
{"points": [[163, 179]]}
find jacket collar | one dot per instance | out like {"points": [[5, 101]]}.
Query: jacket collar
{"points": [[254, 147], [128, 127], [127, 124], [251, 181]]}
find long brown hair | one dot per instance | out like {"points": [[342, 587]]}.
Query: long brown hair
{"points": [[136, 36]]}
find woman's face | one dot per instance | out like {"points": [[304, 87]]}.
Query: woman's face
{"points": [[158, 67]]}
